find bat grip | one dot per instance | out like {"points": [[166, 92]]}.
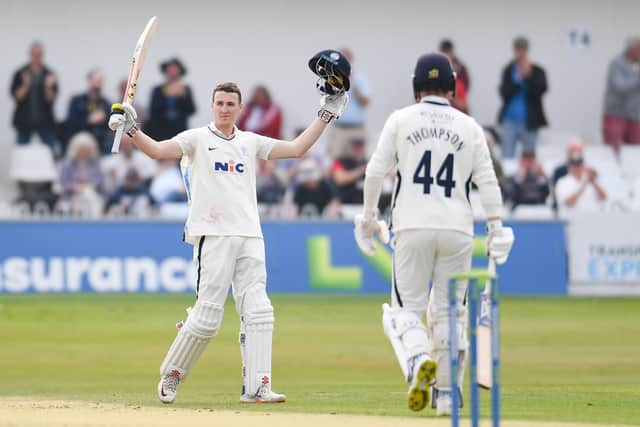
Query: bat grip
{"points": [[115, 148]]}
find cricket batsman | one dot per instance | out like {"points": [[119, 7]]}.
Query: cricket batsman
{"points": [[219, 169], [438, 152]]}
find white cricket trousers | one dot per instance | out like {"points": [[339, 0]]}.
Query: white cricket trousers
{"points": [[428, 256], [221, 261]]}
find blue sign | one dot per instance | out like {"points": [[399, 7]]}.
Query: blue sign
{"points": [[302, 257]]}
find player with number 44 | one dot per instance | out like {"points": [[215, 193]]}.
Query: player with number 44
{"points": [[437, 153]]}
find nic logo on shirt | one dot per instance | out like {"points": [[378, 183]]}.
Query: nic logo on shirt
{"points": [[228, 167]]}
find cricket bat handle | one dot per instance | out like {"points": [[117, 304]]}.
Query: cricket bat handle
{"points": [[115, 148]]}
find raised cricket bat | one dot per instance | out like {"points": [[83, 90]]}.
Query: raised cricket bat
{"points": [[137, 62], [484, 332]]}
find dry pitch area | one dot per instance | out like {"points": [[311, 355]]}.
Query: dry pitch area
{"points": [[53, 413]]}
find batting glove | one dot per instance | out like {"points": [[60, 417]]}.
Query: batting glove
{"points": [[332, 106], [499, 241], [366, 225], [125, 116]]}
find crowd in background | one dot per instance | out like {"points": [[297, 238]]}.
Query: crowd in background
{"points": [[73, 170]]}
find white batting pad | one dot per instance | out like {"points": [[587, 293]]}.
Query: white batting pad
{"points": [[202, 324], [440, 336], [407, 334], [256, 332]]}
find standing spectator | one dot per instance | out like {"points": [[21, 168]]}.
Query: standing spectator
{"points": [[523, 84], [351, 124], [90, 112], [622, 98], [34, 88], [313, 195], [463, 81], [261, 115], [132, 198], [115, 166], [81, 177], [348, 173], [579, 190], [171, 102], [529, 186]]}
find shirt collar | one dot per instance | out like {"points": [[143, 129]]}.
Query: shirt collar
{"points": [[433, 99], [214, 130]]}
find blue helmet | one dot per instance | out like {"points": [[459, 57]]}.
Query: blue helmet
{"points": [[434, 72], [333, 71]]}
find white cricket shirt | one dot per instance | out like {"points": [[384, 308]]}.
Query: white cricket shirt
{"points": [[220, 178], [439, 151]]}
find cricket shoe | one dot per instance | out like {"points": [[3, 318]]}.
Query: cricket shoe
{"points": [[168, 387], [423, 372], [264, 395], [442, 401]]}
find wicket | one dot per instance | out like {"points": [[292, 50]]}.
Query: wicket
{"points": [[477, 280]]}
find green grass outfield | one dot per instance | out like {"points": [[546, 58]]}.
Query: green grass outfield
{"points": [[563, 359]]}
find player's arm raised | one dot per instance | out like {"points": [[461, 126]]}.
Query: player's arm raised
{"points": [[331, 107], [125, 115]]}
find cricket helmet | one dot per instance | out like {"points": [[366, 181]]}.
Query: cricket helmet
{"points": [[333, 71], [434, 72]]}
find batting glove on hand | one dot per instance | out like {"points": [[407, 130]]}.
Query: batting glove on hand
{"points": [[332, 106], [499, 241], [125, 116], [365, 226]]}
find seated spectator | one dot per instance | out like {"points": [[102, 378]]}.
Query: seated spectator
{"points": [[530, 185], [574, 147], [90, 112], [261, 115], [81, 177], [115, 166], [622, 98], [34, 88], [348, 173], [168, 186], [171, 103], [270, 186], [132, 198], [579, 190], [314, 195]]}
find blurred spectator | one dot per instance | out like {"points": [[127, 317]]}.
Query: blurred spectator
{"points": [[521, 115], [530, 185], [348, 173], [115, 166], [351, 124], [168, 186], [90, 112], [574, 147], [463, 81], [81, 177], [34, 88], [270, 186], [314, 195], [132, 198], [579, 190], [171, 103], [622, 97], [261, 115]]}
